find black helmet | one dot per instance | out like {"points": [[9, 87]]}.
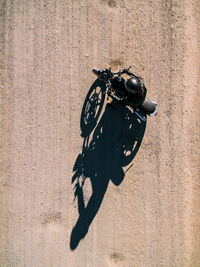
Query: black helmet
{"points": [[133, 85]]}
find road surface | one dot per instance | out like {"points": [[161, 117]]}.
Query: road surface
{"points": [[137, 211]]}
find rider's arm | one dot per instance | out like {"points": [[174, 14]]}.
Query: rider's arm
{"points": [[116, 97], [128, 72]]}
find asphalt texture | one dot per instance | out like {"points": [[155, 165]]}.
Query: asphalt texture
{"points": [[83, 184]]}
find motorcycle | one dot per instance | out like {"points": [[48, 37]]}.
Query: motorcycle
{"points": [[147, 107]]}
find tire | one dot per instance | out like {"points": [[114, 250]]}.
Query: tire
{"points": [[148, 106]]}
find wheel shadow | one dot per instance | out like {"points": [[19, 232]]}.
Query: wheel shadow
{"points": [[92, 107], [108, 147]]}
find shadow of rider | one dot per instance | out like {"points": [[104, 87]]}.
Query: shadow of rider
{"points": [[111, 146]]}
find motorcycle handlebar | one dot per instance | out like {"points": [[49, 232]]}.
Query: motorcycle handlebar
{"points": [[121, 71]]}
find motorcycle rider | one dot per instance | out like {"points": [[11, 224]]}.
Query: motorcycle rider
{"points": [[132, 91]]}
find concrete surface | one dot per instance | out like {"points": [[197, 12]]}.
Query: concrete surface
{"points": [[150, 216]]}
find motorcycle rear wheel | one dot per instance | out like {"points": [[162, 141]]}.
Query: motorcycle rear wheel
{"points": [[148, 106]]}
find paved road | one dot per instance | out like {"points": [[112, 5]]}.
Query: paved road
{"points": [[139, 210]]}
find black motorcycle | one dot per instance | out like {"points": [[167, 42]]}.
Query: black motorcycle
{"points": [[120, 95]]}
